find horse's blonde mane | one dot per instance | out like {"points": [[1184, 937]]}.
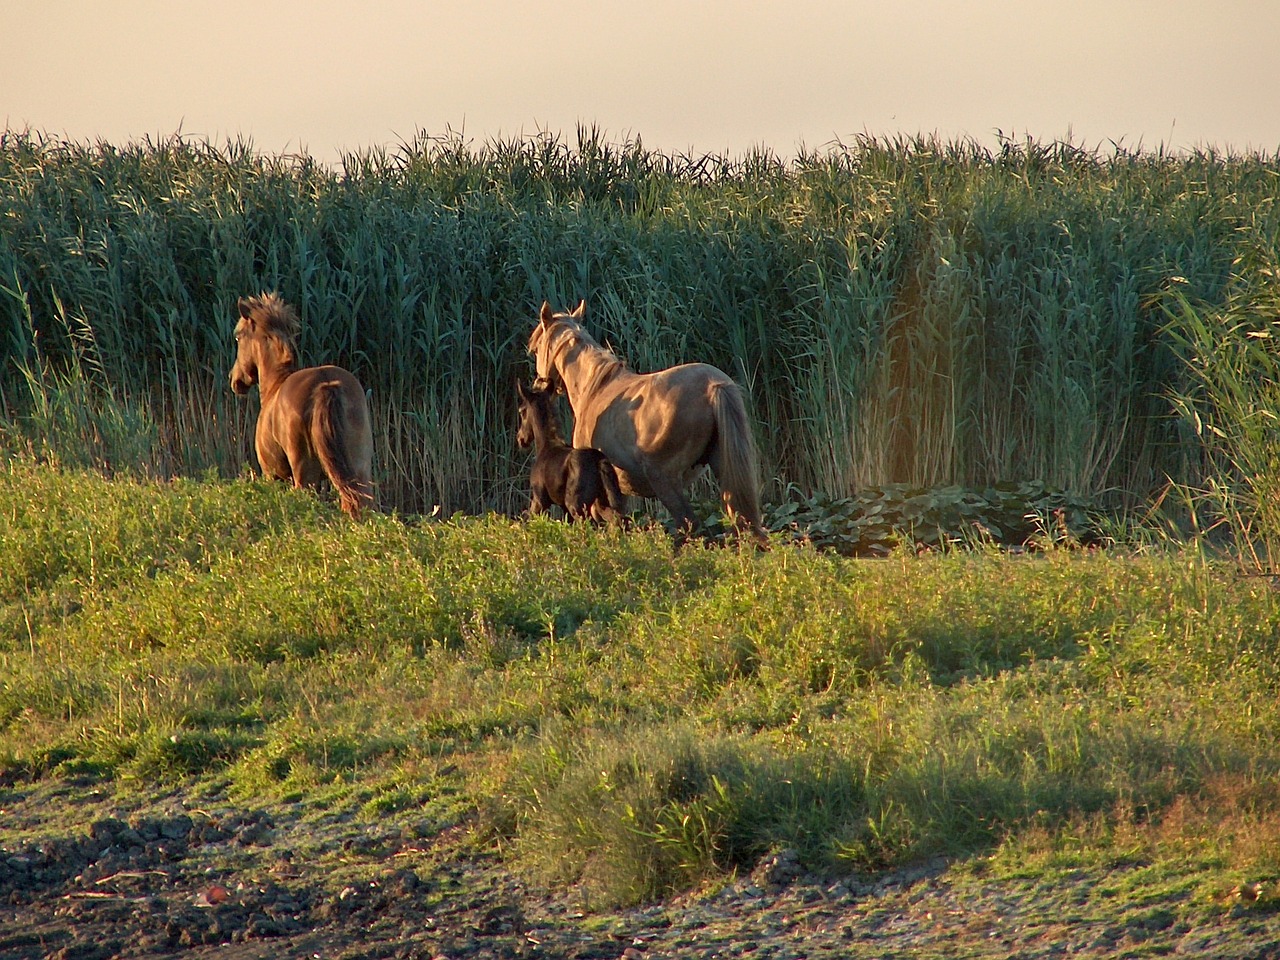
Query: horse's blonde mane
{"points": [[570, 333], [275, 315]]}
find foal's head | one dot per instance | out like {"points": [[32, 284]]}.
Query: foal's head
{"points": [[537, 416], [265, 336]]}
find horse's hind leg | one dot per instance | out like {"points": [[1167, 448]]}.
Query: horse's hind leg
{"points": [[578, 503], [601, 512], [610, 504], [304, 469], [671, 495], [581, 485], [595, 499]]}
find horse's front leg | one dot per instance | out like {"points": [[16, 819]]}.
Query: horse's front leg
{"points": [[540, 502], [274, 463]]}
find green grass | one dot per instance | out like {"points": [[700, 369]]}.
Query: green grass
{"points": [[604, 711]]}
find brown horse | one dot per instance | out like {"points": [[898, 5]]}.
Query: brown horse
{"points": [[314, 422], [658, 429], [580, 481]]}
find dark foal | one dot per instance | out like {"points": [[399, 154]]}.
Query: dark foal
{"points": [[581, 481]]}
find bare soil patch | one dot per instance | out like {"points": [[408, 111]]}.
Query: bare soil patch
{"points": [[87, 873]]}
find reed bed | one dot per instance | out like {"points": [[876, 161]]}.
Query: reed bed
{"points": [[900, 310]]}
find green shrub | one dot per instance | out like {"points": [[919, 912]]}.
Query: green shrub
{"points": [[637, 814]]}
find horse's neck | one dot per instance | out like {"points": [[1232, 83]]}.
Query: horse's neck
{"points": [[272, 373], [546, 436], [585, 368]]}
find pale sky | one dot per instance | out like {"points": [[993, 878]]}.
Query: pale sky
{"points": [[686, 76]]}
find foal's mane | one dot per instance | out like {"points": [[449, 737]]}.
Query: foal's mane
{"points": [[273, 315]]}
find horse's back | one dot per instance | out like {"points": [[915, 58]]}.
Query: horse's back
{"points": [[660, 414], [686, 378], [353, 425]]}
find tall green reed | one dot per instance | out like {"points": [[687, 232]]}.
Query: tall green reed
{"points": [[77, 415], [898, 310], [1230, 400]]}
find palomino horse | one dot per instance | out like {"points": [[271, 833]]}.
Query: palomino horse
{"points": [[658, 429], [582, 482], [314, 422]]}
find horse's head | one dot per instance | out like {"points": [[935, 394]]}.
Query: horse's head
{"points": [[244, 373], [524, 434], [264, 334], [536, 415], [552, 333]]}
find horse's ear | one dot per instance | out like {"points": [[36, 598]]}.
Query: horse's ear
{"points": [[546, 316], [579, 310], [524, 394], [243, 305]]}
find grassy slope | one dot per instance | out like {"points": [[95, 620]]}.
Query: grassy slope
{"points": [[641, 720]]}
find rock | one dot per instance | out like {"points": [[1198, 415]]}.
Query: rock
{"points": [[405, 882], [176, 828], [778, 869], [145, 828], [260, 925], [128, 838], [106, 829]]}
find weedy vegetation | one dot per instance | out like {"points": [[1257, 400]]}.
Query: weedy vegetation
{"points": [[949, 351], [608, 712]]}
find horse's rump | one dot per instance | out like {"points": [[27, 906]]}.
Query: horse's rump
{"points": [[334, 420]]}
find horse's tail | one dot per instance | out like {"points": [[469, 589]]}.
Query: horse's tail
{"points": [[612, 490], [736, 463], [327, 423], [614, 509]]}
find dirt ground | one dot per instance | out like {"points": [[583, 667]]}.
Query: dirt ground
{"points": [[88, 875]]}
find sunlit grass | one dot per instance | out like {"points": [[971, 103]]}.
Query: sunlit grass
{"points": [[600, 709], [605, 711]]}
